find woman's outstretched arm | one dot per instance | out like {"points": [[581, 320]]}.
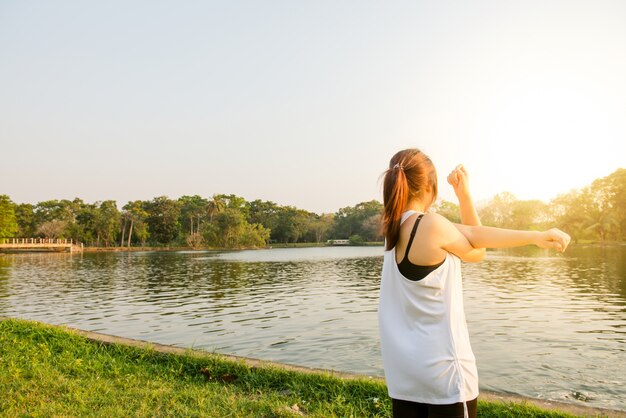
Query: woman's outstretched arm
{"points": [[490, 237], [487, 237]]}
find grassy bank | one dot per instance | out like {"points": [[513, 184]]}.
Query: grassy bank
{"points": [[50, 371]]}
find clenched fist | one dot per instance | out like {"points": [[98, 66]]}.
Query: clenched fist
{"points": [[459, 180]]}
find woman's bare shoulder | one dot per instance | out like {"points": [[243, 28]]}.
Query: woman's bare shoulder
{"points": [[433, 220], [426, 250]]}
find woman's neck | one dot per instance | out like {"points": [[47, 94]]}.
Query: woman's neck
{"points": [[417, 205]]}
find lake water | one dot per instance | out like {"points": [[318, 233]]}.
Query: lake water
{"points": [[541, 324]]}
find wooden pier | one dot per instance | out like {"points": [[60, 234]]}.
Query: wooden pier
{"points": [[40, 244]]}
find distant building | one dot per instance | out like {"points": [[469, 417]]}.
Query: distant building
{"points": [[338, 242]]}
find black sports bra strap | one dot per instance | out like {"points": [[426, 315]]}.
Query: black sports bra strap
{"points": [[408, 246]]}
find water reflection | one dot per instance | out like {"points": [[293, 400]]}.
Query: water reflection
{"points": [[558, 319], [541, 324]]}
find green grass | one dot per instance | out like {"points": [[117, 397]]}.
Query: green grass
{"points": [[48, 371]]}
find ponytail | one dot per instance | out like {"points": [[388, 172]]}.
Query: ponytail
{"points": [[396, 196], [410, 173]]}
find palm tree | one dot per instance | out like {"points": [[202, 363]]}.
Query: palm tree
{"points": [[215, 206]]}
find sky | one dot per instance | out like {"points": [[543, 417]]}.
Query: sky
{"points": [[304, 102]]}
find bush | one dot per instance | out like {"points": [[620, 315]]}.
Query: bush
{"points": [[356, 240]]}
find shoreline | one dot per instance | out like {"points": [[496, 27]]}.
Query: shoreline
{"points": [[599, 244], [608, 244], [485, 395]]}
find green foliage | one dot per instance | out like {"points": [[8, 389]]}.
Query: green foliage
{"points": [[107, 222], [265, 213], [230, 229], [136, 217], [215, 206], [594, 213], [498, 212], [51, 210], [362, 219], [320, 225], [193, 211], [8, 222], [163, 219], [291, 224], [356, 240], [505, 211], [287, 223], [25, 219]]}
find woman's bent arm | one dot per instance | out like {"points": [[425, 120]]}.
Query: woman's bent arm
{"points": [[458, 179], [444, 236]]}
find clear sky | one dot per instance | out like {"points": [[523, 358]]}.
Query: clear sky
{"points": [[304, 102]]}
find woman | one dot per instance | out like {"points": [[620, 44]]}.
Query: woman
{"points": [[429, 365]]}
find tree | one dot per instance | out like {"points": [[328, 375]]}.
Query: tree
{"points": [[193, 210], [321, 225], [610, 196], [597, 212], [529, 214], [84, 227], [51, 210], [52, 229], [136, 214], [79, 218], [263, 212], [107, 222], [8, 222], [498, 212], [254, 235], [231, 230], [350, 220], [371, 228], [162, 219], [233, 202], [215, 206], [569, 213], [605, 224], [291, 224], [25, 219]]}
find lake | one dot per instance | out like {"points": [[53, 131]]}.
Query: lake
{"points": [[542, 324]]}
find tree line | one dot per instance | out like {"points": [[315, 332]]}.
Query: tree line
{"points": [[223, 221], [596, 213]]}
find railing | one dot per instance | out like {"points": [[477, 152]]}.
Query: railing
{"points": [[40, 243], [60, 241]]}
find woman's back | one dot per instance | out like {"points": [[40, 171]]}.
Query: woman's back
{"points": [[424, 340]]}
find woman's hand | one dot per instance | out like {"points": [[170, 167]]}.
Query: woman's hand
{"points": [[458, 179], [553, 238]]}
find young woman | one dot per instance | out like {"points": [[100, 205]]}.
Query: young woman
{"points": [[429, 365]]}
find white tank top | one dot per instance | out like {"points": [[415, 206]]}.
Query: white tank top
{"points": [[424, 341]]}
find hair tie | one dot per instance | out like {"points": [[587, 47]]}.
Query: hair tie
{"points": [[398, 165]]}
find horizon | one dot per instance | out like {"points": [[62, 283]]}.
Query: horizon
{"points": [[478, 202]]}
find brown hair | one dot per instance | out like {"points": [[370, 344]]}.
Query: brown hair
{"points": [[410, 174]]}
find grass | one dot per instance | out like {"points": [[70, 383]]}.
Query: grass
{"points": [[48, 371]]}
